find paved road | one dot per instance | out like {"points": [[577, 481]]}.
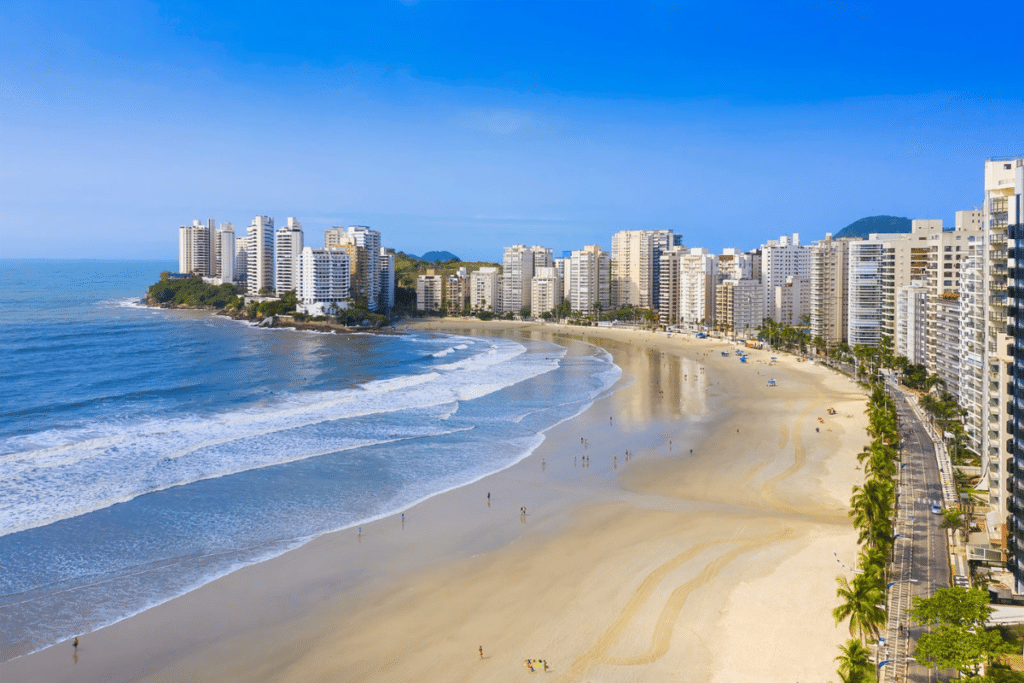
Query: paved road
{"points": [[921, 557]]}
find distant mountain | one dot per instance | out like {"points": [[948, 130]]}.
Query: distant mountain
{"points": [[435, 256], [866, 226]]}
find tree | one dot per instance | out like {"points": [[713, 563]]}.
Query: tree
{"points": [[524, 312], [854, 666], [860, 605], [958, 638]]}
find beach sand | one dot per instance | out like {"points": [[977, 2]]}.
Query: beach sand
{"points": [[716, 566]]}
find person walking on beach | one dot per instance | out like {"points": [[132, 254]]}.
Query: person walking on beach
{"points": [[74, 643], [481, 652]]}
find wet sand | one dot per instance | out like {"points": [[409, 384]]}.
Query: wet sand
{"points": [[716, 566]]}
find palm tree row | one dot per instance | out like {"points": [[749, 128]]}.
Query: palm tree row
{"points": [[873, 508]]}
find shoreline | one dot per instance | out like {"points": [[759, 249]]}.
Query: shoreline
{"points": [[619, 524]]}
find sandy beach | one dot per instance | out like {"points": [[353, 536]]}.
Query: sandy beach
{"points": [[714, 565]]}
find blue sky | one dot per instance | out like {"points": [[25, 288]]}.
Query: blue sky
{"points": [[468, 126]]}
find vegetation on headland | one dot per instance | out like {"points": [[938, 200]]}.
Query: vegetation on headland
{"points": [[191, 292]]}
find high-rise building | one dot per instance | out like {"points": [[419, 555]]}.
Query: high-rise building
{"points": [[387, 281], [226, 252], [241, 259], [828, 303], [485, 290], [546, 290], [911, 322], [946, 251], [877, 264], [988, 316], [323, 280], [197, 249], [943, 342], [636, 266], [288, 249], [260, 255], [904, 260], [864, 290], [429, 292], [367, 271], [739, 306], [456, 294], [791, 301], [698, 270], [781, 259], [590, 279], [1005, 204], [516, 291]]}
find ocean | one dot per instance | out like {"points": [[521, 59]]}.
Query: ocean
{"points": [[145, 452]]}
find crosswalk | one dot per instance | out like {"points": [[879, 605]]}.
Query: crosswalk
{"points": [[930, 501]]}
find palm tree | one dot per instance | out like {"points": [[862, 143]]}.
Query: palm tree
{"points": [[860, 605], [854, 666]]}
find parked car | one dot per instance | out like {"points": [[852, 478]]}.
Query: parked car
{"points": [[936, 510]]}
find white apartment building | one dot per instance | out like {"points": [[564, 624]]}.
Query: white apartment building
{"points": [[670, 285], [324, 279], [518, 263], [546, 294], [828, 302], [911, 322], [739, 306], [485, 289], [984, 314], [905, 260], [288, 248], [781, 259], [429, 292], [197, 249], [387, 281], [260, 255], [946, 251], [698, 271], [590, 279], [864, 288], [943, 345], [791, 301], [636, 266], [226, 252], [733, 264]]}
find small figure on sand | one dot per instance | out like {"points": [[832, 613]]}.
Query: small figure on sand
{"points": [[74, 643], [481, 652], [609, 420]]}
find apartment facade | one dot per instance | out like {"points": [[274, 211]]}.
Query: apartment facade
{"points": [[911, 322], [287, 251], [828, 302], [589, 279], [781, 259], [739, 306], [516, 290], [485, 289], [324, 279], [546, 292], [197, 249], [429, 292], [636, 266], [260, 255], [1008, 207]]}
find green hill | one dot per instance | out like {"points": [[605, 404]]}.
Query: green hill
{"points": [[865, 226], [435, 256]]}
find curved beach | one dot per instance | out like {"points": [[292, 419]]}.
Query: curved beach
{"points": [[716, 565]]}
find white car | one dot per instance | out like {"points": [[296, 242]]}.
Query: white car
{"points": [[936, 510]]}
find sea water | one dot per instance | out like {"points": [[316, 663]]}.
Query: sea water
{"points": [[145, 452]]}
